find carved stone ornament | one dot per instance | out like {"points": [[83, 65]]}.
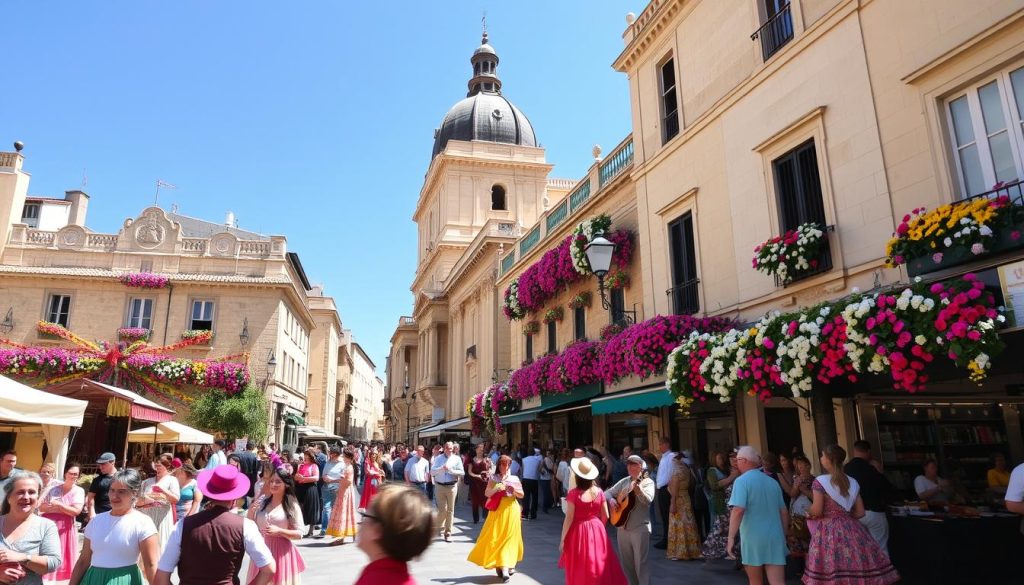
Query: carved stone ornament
{"points": [[71, 236], [223, 245], [148, 232]]}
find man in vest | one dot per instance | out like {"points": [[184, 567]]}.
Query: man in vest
{"points": [[207, 548]]}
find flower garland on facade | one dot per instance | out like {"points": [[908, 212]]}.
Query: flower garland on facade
{"points": [[793, 252], [585, 232], [642, 349], [485, 409], [971, 224], [896, 333], [134, 365], [558, 268], [143, 280]]}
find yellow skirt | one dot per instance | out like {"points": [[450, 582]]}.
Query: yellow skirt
{"points": [[500, 543]]}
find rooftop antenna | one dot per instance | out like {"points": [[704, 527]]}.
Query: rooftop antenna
{"points": [[483, 22], [165, 185], [85, 179]]}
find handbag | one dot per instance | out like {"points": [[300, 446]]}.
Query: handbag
{"points": [[494, 501]]}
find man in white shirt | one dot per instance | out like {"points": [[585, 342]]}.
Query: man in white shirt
{"points": [[191, 547], [664, 499], [531, 483], [1015, 493], [447, 471], [217, 457], [416, 469]]}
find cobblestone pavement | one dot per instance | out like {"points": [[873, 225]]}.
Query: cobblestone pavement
{"points": [[444, 563]]}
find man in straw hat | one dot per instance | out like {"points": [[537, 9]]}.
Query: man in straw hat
{"points": [[207, 548], [634, 536], [761, 517]]}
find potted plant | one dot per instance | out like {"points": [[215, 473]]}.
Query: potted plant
{"points": [[197, 336], [618, 279], [531, 327], [580, 300], [788, 256], [553, 314], [132, 334]]}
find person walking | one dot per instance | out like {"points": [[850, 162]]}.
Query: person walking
{"points": [[29, 544], [374, 477], [160, 493], [217, 455], [251, 468], [683, 537], [499, 545], [397, 528], [842, 551], [478, 472], [585, 551], [342, 522], [306, 478], [62, 504], [116, 540], [720, 476], [280, 520], [760, 517], [531, 483], [665, 469], [634, 537], [874, 490], [330, 479], [398, 464], [446, 472], [207, 548], [97, 500], [417, 469], [191, 499]]}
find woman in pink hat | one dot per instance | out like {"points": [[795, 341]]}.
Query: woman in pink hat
{"points": [[280, 520]]}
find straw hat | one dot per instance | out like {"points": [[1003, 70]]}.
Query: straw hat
{"points": [[584, 468]]}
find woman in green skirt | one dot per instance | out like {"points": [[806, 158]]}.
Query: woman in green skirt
{"points": [[114, 540]]}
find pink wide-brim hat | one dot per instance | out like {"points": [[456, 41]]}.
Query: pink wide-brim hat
{"points": [[223, 483]]}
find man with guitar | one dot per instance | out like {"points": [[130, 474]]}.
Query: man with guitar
{"points": [[629, 504]]}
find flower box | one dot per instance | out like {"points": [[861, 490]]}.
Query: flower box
{"points": [[552, 315], [796, 254], [198, 336], [579, 301], [143, 280], [531, 328], [133, 334], [1004, 241]]}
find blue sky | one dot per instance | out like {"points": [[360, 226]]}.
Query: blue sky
{"points": [[309, 119]]}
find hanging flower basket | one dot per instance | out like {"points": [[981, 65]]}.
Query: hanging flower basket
{"points": [[579, 301], [618, 279], [143, 280], [553, 314], [132, 334], [791, 254], [531, 327], [611, 330]]}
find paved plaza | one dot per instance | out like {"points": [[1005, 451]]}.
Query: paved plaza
{"points": [[445, 563]]}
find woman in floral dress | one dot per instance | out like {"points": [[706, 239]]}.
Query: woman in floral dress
{"points": [[683, 538], [342, 523], [159, 496], [720, 477], [842, 551]]}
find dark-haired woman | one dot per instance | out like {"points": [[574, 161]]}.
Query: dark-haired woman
{"points": [[280, 521], [842, 550], [499, 545], [397, 527], [306, 478], [342, 522]]}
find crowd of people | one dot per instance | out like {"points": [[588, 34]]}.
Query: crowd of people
{"points": [[200, 516]]}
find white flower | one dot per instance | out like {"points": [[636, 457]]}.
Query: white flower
{"points": [[985, 230], [947, 242], [920, 340]]}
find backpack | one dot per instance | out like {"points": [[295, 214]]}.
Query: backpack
{"points": [[698, 494]]}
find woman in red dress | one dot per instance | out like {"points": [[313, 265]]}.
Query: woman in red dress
{"points": [[478, 472], [396, 528], [587, 555], [373, 478]]}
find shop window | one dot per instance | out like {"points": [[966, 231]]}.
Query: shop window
{"points": [[140, 313], [59, 310], [685, 300], [986, 135], [579, 323], [552, 338], [669, 101], [202, 316], [498, 202]]}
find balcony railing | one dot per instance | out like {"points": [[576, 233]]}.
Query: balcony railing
{"points": [[775, 33], [508, 261], [580, 195], [615, 163], [685, 297], [1014, 190], [529, 241], [557, 215], [824, 261]]}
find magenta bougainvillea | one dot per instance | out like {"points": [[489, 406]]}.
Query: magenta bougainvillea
{"points": [[143, 280], [641, 349]]}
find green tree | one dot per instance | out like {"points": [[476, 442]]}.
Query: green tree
{"points": [[242, 415]]}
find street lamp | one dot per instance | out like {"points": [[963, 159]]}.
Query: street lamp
{"points": [[243, 337], [599, 255], [8, 322], [271, 366], [408, 399]]}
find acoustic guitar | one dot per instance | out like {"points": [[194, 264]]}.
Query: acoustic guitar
{"points": [[627, 501]]}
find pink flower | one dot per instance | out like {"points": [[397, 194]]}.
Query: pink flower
{"points": [[977, 249], [937, 257]]}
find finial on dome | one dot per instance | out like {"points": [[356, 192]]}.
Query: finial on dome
{"points": [[483, 21]]}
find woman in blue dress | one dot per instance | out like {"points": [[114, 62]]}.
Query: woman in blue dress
{"points": [[759, 514]]}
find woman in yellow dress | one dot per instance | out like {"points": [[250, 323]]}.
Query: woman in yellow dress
{"points": [[683, 539], [500, 543]]}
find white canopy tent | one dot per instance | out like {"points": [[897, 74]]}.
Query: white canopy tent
{"points": [[55, 414], [170, 432]]}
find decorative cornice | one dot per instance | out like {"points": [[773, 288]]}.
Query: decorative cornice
{"points": [[645, 30]]}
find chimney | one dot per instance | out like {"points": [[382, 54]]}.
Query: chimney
{"points": [[229, 219], [79, 206]]}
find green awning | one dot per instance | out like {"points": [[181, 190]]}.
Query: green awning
{"points": [[549, 401], [527, 415], [293, 419], [632, 401]]}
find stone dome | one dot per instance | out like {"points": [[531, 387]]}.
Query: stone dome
{"points": [[485, 114]]}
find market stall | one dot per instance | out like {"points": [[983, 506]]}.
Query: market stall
{"points": [[23, 407], [176, 436]]}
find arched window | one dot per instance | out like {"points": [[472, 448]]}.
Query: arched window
{"points": [[498, 198]]}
